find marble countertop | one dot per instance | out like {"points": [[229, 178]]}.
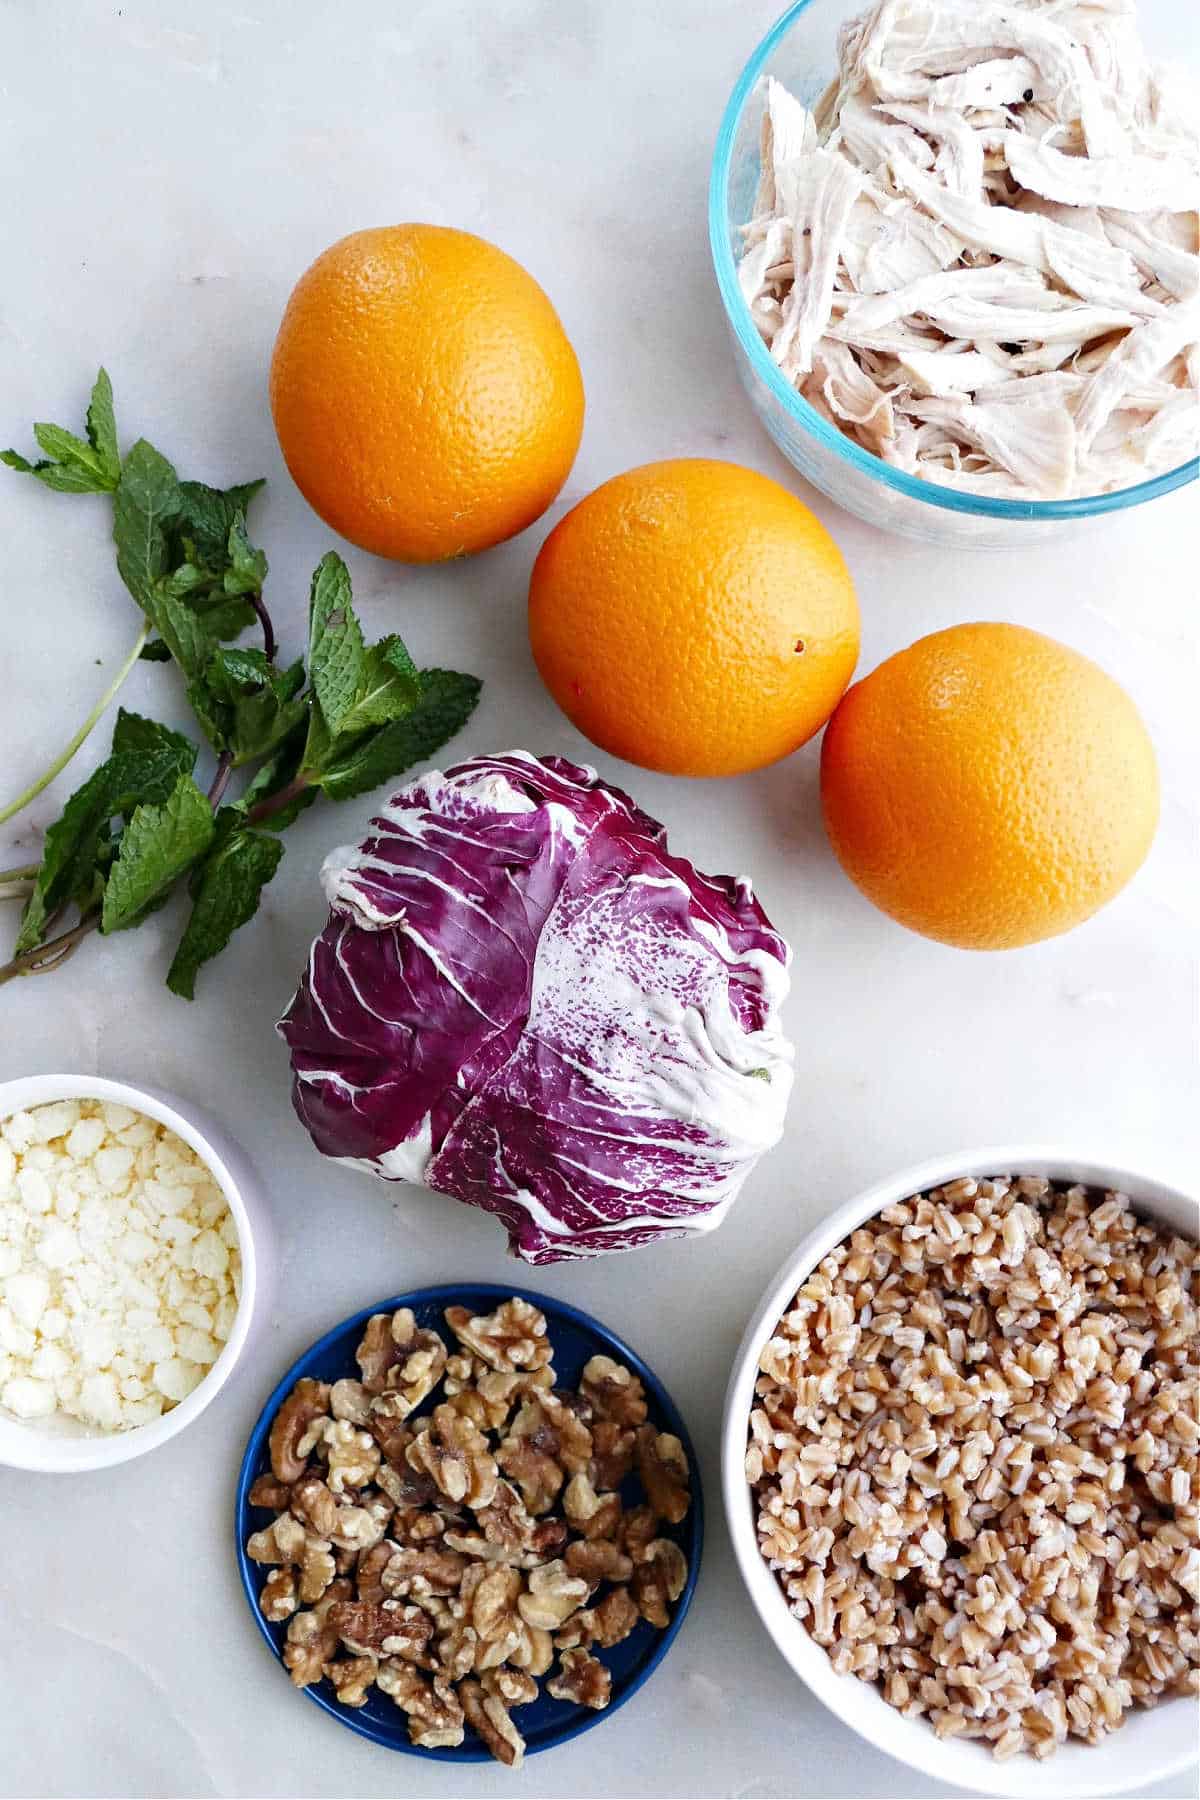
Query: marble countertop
{"points": [[170, 169]]}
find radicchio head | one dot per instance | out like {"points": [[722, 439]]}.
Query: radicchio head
{"points": [[524, 1000]]}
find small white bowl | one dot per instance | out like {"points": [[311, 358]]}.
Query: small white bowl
{"points": [[1152, 1744], [62, 1446]]}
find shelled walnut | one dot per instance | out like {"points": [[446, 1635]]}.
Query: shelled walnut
{"points": [[451, 1527]]}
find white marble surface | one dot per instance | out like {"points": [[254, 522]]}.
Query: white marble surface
{"points": [[169, 170]]}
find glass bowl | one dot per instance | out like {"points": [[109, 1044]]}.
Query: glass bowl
{"points": [[801, 51]]}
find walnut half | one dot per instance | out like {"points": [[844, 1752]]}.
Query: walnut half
{"points": [[488, 1717], [662, 1466], [435, 1714], [513, 1337], [454, 1453], [297, 1428], [312, 1637], [583, 1679], [659, 1578]]}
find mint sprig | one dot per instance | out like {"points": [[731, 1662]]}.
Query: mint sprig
{"points": [[71, 465], [355, 715]]}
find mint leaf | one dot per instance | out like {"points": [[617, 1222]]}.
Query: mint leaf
{"points": [[183, 630], [133, 732], [64, 447], [445, 703], [147, 503], [395, 652], [247, 566], [232, 672], [159, 843], [207, 514], [318, 746], [79, 838], [154, 651], [75, 466], [213, 714], [265, 707], [147, 506], [386, 693], [226, 889], [63, 478], [102, 428], [336, 658], [223, 617]]}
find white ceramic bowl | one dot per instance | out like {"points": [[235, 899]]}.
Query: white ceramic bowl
{"points": [[1151, 1745], [61, 1446]]}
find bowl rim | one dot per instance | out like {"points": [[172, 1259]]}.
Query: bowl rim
{"points": [[961, 1762], [49, 1454], [470, 1751], [929, 493]]}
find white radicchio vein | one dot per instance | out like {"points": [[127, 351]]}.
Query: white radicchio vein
{"points": [[1021, 201]]}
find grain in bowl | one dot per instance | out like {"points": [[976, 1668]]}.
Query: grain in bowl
{"points": [[973, 1456]]}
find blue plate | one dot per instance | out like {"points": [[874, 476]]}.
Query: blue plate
{"points": [[576, 1337]]}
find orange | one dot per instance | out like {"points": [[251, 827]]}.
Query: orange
{"points": [[427, 399], [693, 617], [989, 787]]}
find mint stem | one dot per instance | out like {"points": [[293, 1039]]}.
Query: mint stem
{"points": [[220, 780], [268, 630], [45, 957], [276, 802], [60, 762]]}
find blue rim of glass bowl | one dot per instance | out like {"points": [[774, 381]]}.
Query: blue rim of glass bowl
{"points": [[663, 1412], [738, 314]]}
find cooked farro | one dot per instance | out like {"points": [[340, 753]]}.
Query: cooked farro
{"points": [[975, 1456]]}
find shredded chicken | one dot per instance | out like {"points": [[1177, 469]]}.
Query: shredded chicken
{"points": [[979, 254]]}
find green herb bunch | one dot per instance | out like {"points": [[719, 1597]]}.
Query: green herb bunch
{"points": [[357, 715]]}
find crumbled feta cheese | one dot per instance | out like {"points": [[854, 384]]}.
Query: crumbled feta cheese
{"points": [[50, 1362], [42, 1158], [16, 1339], [114, 1166], [26, 1398], [176, 1378], [99, 1400], [53, 1120], [139, 1133], [34, 1190], [142, 1412], [18, 1130], [85, 1139], [27, 1295], [58, 1246], [196, 1345], [119, 1266], [209, 1255]]}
